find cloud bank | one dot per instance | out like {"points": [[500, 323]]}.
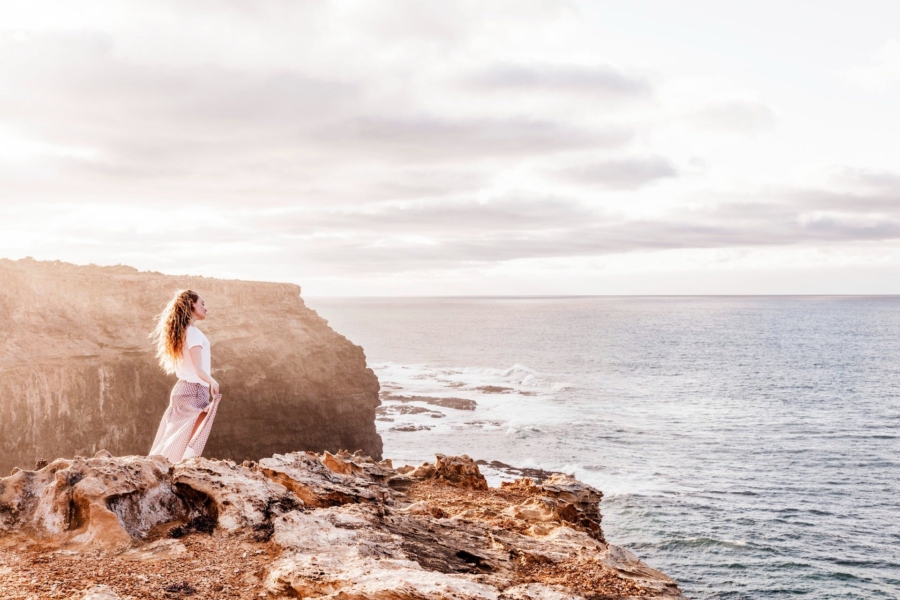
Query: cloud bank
{"points": [[333, 141]]}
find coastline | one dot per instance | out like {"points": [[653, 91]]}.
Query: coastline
{"points": [[314, 526]]}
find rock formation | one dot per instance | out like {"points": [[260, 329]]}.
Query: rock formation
{"points": [[305, 525], [78, 372]]}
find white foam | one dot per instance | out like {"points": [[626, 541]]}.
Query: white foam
{"points": [[615, 483], [612, 484], [466, 381], [518, 376], [529, 409]]}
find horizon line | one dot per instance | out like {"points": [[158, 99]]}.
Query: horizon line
{"points": [[563, 296]]}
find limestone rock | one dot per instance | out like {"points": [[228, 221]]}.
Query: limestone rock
{"points": [[97, 502], [100, 592], [574, 501], [345, 551], [325, 481], [75, 344], [458, 470], [321, 526], [236, 495]]}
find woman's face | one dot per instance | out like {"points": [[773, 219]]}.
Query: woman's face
{"points": [[199, 309]]}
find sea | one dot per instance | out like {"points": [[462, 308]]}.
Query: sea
{"points": [[749, 447]]}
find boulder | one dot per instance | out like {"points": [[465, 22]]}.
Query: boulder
{"points": [[99, 502], [460, 471]]}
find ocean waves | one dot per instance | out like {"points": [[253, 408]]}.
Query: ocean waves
{"points": [[444, 399], [746, 446]]}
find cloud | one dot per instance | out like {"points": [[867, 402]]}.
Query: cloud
{"points": [[429, 181], [602, 80], [622, 174], [362, 138], [428, 22], [441, 218], [741, 117], [158, 121], [265, 130], [410, 237], [432, 138], [842, 227], [385, 238], [869, 179]]}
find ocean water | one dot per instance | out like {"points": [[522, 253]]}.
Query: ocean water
{"points": [[747, 446]]}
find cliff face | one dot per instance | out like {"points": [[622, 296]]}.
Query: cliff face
{"points": [[78, 372], [304, 525]]}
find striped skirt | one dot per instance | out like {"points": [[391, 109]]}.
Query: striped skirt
{"points": [[186, 404]]}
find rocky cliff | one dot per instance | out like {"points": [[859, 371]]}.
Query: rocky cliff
{"points": [[309, 526], [78, 372]]}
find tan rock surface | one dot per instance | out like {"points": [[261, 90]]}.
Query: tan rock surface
{"points": [[78, 372], [329, 526]]}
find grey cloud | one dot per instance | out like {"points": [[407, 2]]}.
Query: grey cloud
{"points": [[421, 183], [102, 95], [870, 178], [363, 255], [444, 218], [735, 116], [214, 129], [455, 234], [838, 229], [598, 238], [572, 230], [622, 174], [601, 79], [157, 121], [433, 138], [428, 21], [851, 202], [446, 234], [433, 26], [382, 179]]}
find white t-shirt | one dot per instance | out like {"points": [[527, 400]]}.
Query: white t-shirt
{"points": [[184, 366]]}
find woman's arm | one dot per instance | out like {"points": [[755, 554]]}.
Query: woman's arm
{"points": [[196, 357]]}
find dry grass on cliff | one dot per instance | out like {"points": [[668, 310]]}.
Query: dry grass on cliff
{"points": [[581, 573], [216, 566]]}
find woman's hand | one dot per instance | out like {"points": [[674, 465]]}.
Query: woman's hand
{"points": [[213, 387]]}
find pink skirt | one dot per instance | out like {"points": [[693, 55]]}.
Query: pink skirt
{"points": [[173, 438]]}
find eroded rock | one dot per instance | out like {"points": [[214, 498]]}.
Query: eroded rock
{"points": [[326, 480], [93, 502], [323, 526], [457, 470], [240, 496]]}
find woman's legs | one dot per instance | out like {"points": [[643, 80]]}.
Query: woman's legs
{"points": [[202, 422], [189, 452]]}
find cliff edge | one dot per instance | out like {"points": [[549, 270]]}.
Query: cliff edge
{"points": [[78, 372], [305, 525]]}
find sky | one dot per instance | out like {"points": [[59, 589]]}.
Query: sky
{"points": [[534, 147]]}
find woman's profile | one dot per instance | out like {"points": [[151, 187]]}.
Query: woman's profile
{"points": [[182, 349]]}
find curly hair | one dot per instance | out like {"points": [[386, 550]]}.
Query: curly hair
{"points": [[171, 328]]}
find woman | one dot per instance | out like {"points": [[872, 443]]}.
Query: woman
{"points": [[182, 349]]}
